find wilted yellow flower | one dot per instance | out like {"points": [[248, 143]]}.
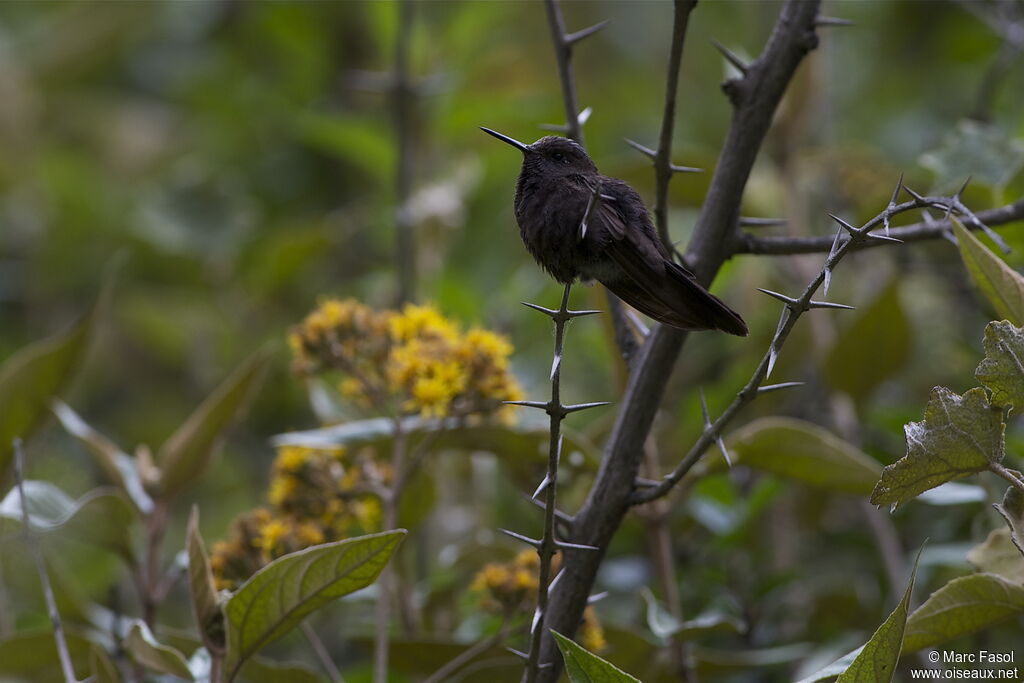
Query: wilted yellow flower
{"points": [[591, 634]]}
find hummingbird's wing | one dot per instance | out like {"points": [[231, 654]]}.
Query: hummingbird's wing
{"points": [[649, 281]]}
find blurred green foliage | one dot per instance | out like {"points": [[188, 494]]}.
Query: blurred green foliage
{"points": [[241, 156]]}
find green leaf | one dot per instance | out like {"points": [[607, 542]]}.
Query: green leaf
{"points": [[279, 596], [585, 667], [101, 668], [873, 348], [32, 376], [998, 282], [117, 465], [518, 442], [33, 656], [185, 455], [803, 451], [663, 625], [876, 662], [99, 518], [959, 435], [205, 608], [1002, 370], [152, 655], [834, 669], [1012, 510], [981, 150], [998, 555], [964, 605]]}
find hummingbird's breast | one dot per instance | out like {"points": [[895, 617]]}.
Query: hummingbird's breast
{"points": [[549, 212]]}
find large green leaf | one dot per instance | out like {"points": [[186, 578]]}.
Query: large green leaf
{"points": [[117, 465], [964, 605], [520, 442], [585, 667], [101, 518], [876, 662], [998, 555], [873, 348], [959, 435], [185, 455], [205, 608], [1002, 370], [150, 654], [803, 451], [32, 376], [279, 596], [998, 282]]}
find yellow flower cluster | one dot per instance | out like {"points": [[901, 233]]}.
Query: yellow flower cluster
{"points": [[316, 496], [511, 587], [409, 361]]}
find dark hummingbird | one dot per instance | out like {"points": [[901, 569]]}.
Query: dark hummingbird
{"points": [[558, 187]]}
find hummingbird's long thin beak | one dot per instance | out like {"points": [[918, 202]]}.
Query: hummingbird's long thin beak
{"points": [[504, 138]]}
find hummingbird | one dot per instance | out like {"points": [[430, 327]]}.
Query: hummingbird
{"points": [[579, 224]]}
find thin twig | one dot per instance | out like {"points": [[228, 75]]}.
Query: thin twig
{"points": [[381, 640], [321, 653], [917, 232], [1007, 474], [44, 578], [469, 654], [663, 158]]}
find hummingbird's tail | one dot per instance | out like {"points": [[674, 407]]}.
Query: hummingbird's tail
{"points": [[676, 299]]}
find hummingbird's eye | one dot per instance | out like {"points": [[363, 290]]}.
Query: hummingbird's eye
{"points": [[558, 156]]}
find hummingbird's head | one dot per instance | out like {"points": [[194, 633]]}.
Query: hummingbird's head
{"points": [[551, 155]]}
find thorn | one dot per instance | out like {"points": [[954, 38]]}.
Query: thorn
{"points": [[829, 304], [576, 407], [731, 57], [963, 187], [637, 322], [519, 537], [558, 576], [684, 169], [704, 409], [892, 204], [788, 300], [536, 619], [556, 362], [517, 653], [540, 405], [833, 21], [646, 151], [724, 450], [597, 597], [773, 355], [776, 387], [641, 482], [573, 38], [883, 238], [576, 546], [827, 270], [584, 115], [580, 314], [846, 226], [773, 348], [917, 198], [540, 489], [535, 307], [563, 517], [761, 222]]}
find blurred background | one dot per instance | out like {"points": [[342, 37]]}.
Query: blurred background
{"points": [[243, 158]]}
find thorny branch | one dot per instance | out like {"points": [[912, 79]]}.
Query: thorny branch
{"points": [[917, 232], [755, 96], [847, 239]]}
